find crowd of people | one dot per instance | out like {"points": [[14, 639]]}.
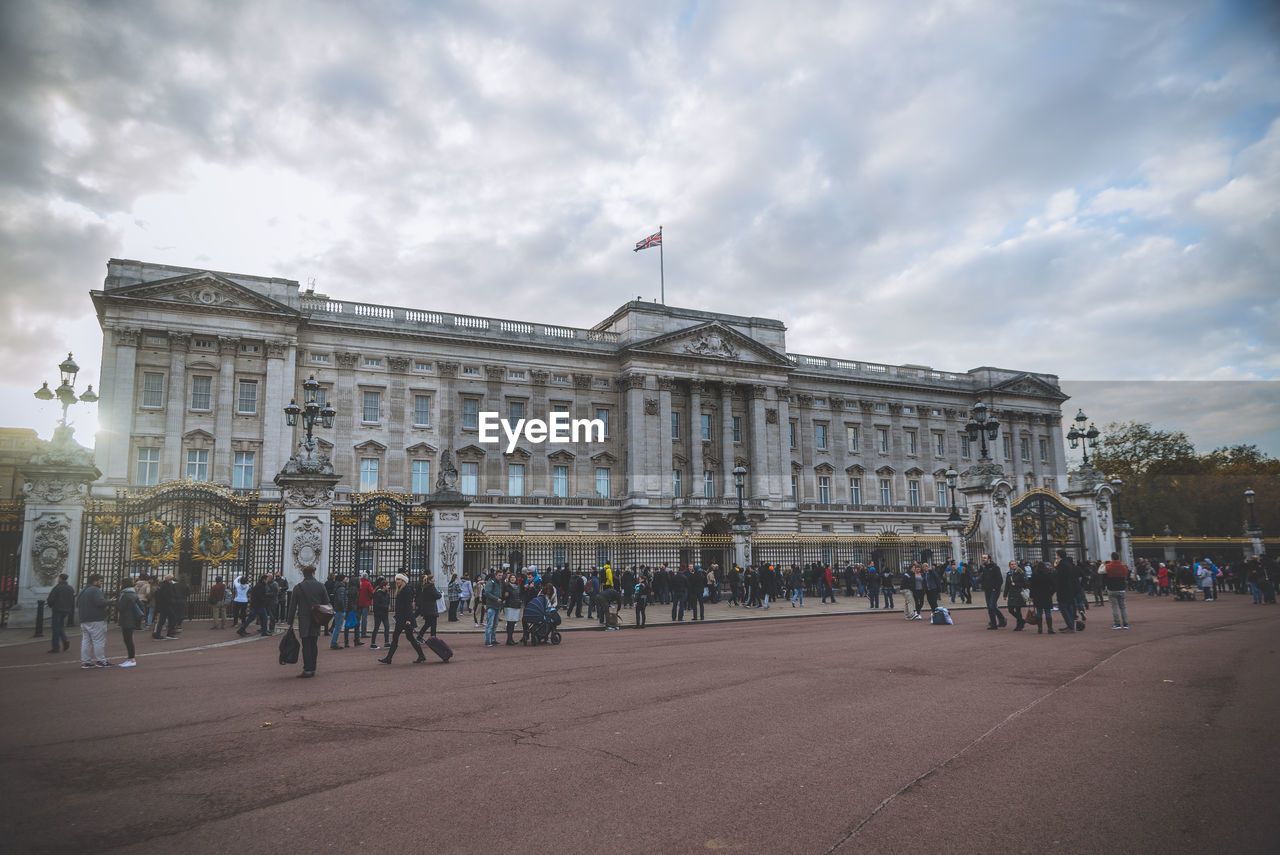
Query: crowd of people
{"points": [[1029, 593]]}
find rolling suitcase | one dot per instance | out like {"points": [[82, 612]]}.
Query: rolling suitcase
{"points": [[438, 647]]}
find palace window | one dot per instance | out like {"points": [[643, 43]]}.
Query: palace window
{"points": [[420, 476], [560, 481], [791, 433], [913, 493], [320, 357], [201, 392], [675, 425], [247, 398], [242, 470], [372, 363], [911, 441], [152, 390], [940, 444], [882, 440], [422, 410], [964, 445], [470, 371], [851, 437], [470, 413], [602, 482], [1024, 447], [675, 483], [1044, 451], [515, 411], [820, 435], [709, 484], [706, 427], [369, 412], [198, 464], [737, 428], [886, 494], [469, 477], [855, 490], [422, 366], [942, 493], [795, 487], [148, 467], [368, 474], [602, 414], [1007, 444], [515, 479], [824, 490]]}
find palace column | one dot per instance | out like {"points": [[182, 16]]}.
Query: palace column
{"points": [[118, 405], [666, 445], [696, 388], [780, 475], [220, 468], [727, 456], [277, 437], [539, 468], [636, 422], [175, 408], [759, 444]]}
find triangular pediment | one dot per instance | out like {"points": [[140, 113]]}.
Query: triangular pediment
{"points": [[421, 448], [517, 453], [202, 289], [604, 458], [1030, 385], [470, 453], [712, 341], [561, 456], [372, 446]]}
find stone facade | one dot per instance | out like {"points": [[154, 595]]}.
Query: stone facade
{"points": [[197, 366]]}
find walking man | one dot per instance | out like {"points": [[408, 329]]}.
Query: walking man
{"points": [[992, 582], [1117, 582], [61, 600], [306, 594]]}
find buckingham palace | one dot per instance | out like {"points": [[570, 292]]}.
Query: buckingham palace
{"points": [[198, 367]]}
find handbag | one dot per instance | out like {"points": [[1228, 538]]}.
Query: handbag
{"points": [[289, 648], [353, 619], [322, 614]]}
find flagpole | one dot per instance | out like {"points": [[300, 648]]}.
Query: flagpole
{"points": [[662, 273]]}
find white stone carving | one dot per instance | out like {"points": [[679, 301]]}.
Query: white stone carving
{"points": [[308, 542], [50, 547], [448, 553], [709, 343]]}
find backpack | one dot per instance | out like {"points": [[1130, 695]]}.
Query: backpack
{"points": [[941, 617]]}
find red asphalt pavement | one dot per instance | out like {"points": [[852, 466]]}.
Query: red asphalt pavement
{"points": [[841, 734]]}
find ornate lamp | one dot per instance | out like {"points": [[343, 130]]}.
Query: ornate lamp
{"points": [[953, 478]]}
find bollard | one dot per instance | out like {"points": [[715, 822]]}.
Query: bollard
{"points": [[39, 633]]}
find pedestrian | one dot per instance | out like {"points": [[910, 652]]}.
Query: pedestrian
{"points": [[1206, 573], [828, 585], [1067, 579], [404, 620], [918, 581], [886, 588], [577, 586], [162, 598], [364, 600], [307, 594], [92, 606], [1042, 588], [992, 581], [217, 600], [464, 602], [493, 596], [258, 608], [272, 601], [907, 585], [240, 602], [512, 607], [1015, 587], [178, 603], [641, 601], [338, 599], [932, 586], [130, 615], [61, 602], [455, 597], [381, 603], [1117, 580], [873, 584], [679, 587], [428, 603]]}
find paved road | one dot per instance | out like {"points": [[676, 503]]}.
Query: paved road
{"points": [[841, 734]]}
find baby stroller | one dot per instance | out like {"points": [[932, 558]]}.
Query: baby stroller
{"points": [[540, 622], [1185, 592]]}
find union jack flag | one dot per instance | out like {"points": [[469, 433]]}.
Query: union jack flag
{"points": [[651, 240]]}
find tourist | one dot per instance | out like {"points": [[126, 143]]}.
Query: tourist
{"points": [[163, 597], [512, 606], [404, 620], [364, 600], [338, 599], [493, 596], [641, 601], [992, 581], [306, 594], [92, 606], [61, 602], [240, 602], [1206, 573], [932, 586], [1015, 594], [144, 589], [679, 587], [217, 600], [1117, 582], [428, 604], [258, 608], [464, 601], [130, 616], [886, 588], [271, 601], [1042, 589], [455, 597], [381, 603]]}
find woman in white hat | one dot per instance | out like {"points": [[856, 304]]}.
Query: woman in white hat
{"points": [[404, 620]]}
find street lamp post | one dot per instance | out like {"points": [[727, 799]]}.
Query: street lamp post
{"points": [[66, 393], [1248, 500], [1116, 485], [980, 427], [311, 412], [739, 481], [952, 477], [1081, 438]]}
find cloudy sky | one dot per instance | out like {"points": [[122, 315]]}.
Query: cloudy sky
{"points": [[1090, 189]]}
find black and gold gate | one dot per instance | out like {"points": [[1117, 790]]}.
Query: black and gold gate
{"points": [[193, 531], [1043, 523], [380, 534], [12, 515]]}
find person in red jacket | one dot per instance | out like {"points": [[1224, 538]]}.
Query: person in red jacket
{"points": [[363, 601], [1162, 578], [1117, 585]]}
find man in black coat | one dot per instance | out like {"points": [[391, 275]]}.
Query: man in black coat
{"points": [[61, 602], [1068, 585], [992, 583], [306, 594], [576, 587], [679, 585]]}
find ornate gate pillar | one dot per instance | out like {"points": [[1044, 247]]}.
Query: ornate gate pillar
{"points": [[56, 484], [306, 486], [955, 533], [448, 521], [987, 494], [1091, 493]]}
